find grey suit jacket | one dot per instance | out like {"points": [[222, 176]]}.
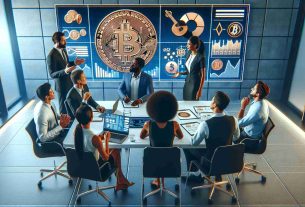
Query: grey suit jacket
{"points": [[46, 126]]}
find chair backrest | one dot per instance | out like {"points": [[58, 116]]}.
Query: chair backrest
{"points": [[85, 167], [262, 145], [69, 111], [162, 162], [227, 160], [268, 128], [31, 130]]}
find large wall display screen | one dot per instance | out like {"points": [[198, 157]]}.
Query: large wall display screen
{"points": [[109, 37]]}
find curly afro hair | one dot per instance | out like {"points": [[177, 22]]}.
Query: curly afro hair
{"points": [[162, 106]]}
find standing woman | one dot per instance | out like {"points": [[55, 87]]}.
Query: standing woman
{"points": [[195, 65]]}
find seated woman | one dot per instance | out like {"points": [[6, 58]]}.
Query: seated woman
{"points": [[162, 106], [87, 141]]}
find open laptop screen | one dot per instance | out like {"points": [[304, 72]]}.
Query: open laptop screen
{"points": [[116, 123]]}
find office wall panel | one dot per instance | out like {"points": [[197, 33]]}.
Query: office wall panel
{"points": [[279, 3], [48, 21], [27, 22], [273, 48], [251, 67], [271, 69], [256, 22], [25, 4], [257, 3], [31, 47], [277, 22], [34, 69]]}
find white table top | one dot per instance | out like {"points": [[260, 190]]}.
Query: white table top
{"points": [[97, 127]]}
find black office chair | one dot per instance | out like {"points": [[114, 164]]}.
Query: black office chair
{"points": [[41, 150], [162, 162], [88, 168], [68, 109], [225, 160], [256, 146]]}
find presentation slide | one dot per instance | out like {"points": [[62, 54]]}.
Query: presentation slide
{"points": [[110, 37]]}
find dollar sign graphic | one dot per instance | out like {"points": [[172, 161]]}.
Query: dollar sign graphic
{"points": [[127, 46]]}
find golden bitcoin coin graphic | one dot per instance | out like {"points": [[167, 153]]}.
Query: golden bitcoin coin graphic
{"points": [[217, 64], [74, 34], [124, 35], [82, 32], [235, 29]]}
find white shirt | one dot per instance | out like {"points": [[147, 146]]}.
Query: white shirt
{"points": [[189, 62], [134, 84], [203, 130], [88, 145]]}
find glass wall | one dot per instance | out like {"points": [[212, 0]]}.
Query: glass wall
{"points": [[297, 90], [8, 71]]}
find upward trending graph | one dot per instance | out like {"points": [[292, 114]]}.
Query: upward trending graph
{"points": [[229, 72]]}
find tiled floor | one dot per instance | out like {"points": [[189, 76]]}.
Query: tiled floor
{"points": [[283, 164]]}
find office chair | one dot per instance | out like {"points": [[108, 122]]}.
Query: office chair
{"points": [[225, 160], [162, 162], [40, 151], [88, 168], [256, 146]]}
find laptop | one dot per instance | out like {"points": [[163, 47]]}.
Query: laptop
{"points": [[118, 126], [111, 111]]}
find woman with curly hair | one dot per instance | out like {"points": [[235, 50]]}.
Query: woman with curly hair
{"points": [[161, 107]]}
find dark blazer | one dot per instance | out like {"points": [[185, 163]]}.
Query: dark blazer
{"points": [[57, 65], [145, 86], [193, 78], [74, 99]]}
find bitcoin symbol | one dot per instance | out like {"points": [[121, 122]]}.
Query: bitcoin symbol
{"points": [[127, 45], [235, 29], [172, 67], [217, 64], [124, 35]]}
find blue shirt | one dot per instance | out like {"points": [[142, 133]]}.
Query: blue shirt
{"points": [[203, 130], [255, 120]]}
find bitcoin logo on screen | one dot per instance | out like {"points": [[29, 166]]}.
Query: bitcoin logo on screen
{"points": [[235, 29], [124, 35]]}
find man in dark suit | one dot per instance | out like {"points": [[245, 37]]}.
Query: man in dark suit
{"points": [[79, 93], [136, 85], [60, 68]]}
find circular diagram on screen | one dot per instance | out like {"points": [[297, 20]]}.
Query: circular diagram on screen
{"points": [[171, 67], [192, 16], [124, 35]]}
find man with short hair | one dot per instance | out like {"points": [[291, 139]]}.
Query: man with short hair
{"points": [[80, 93], [217, 131], [60, 68], [49, 125], [253, 124], [136, 85]]}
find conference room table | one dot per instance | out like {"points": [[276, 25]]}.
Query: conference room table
{"points": [[97, 126]]}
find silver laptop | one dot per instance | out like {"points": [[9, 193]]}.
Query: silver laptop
{"points": [[118, 126], [111, 111]]}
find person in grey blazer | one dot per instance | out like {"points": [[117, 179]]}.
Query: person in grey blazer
{"points": [[60, 68], [195, 65], [80, 93], [136, 85], [49, 124]]}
